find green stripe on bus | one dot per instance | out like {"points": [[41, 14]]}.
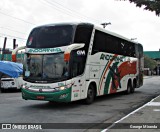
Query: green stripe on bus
{"points": [[108, 80]]}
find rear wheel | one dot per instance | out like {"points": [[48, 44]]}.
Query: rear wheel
{"points": [[129, 88], [90, 95], [133, 88]]}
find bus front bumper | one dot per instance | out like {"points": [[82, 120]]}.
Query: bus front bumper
{"points": [[58, 96]]}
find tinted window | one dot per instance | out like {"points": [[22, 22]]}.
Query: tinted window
{"points": [[127, 48], [104, 42], [48, 67], [50, 36], [83, 35], [78, 57], [77, 64]]}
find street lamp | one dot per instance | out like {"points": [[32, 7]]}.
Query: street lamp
{"points": [[105, 24], [133, 39]]}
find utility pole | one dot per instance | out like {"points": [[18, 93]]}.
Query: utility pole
{"points": [[3, 50], [14, 43], [4, 47]]}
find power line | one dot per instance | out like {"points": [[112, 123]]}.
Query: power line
{"points": [[17, 18], [13, 36], [12, 30], [66, 10], [59, 9], [76, 12]]}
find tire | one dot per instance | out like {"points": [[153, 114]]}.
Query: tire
{"points": [[2, 90], [133, 88], [90, 95], [129, 88]]}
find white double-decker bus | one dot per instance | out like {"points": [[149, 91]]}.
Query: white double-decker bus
{"points": [[74, 61]]}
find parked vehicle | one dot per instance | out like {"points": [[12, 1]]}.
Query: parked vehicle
{"points": [[10, 75], [8, 82]]}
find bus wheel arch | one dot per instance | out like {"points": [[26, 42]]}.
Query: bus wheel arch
{"points": [[91, 93]]}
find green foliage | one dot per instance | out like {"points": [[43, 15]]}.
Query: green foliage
{"points": [[149, 63], [151, 5]]}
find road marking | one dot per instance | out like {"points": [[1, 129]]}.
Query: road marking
{"points": [[147, 104], [153, 104], [157, 110]]}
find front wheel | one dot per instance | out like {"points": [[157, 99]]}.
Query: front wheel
{"points": [[2, 90], [90, 95]]}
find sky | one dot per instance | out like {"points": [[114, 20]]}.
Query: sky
{"points": [[19, 17]]}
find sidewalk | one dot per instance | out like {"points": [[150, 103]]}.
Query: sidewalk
{"points": [[143, 119]]}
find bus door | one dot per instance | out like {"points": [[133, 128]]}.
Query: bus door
{"points": [[78, 60]]}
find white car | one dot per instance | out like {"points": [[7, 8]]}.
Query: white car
{"points": [[10, 83]]}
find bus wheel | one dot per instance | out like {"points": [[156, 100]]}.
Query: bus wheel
{"points": [[133, 88], [129, 87], [90, 95]]}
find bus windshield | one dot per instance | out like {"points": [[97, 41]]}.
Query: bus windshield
{"points": [[45, 68], [50, 36]]}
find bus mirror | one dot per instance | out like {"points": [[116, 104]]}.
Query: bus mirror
{"points": [[14, 52], [70, 48], [14, 59]]}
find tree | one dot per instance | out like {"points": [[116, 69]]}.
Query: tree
{"points": [[149, 63], [151, 5]]}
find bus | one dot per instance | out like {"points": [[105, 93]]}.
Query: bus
{"points": [[73, 61]]}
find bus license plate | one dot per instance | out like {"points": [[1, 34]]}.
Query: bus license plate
{"points": [[40, 97]]}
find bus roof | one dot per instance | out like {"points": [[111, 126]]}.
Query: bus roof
{"points": [[90, 24], [114, 34], [65, 23]]}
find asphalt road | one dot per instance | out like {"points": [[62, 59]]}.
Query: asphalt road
{"points": [[108, 109]]}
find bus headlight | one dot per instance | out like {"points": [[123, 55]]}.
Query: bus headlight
{"points": [[65, 87], [62, 88]]}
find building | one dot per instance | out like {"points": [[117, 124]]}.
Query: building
{"points": [[155, 55], [8, 55]]}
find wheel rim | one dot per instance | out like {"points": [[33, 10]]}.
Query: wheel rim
{"points": [[90, 93]]}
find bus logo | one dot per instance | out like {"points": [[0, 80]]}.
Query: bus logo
{"points": [[46, 50], [81, 52]]}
